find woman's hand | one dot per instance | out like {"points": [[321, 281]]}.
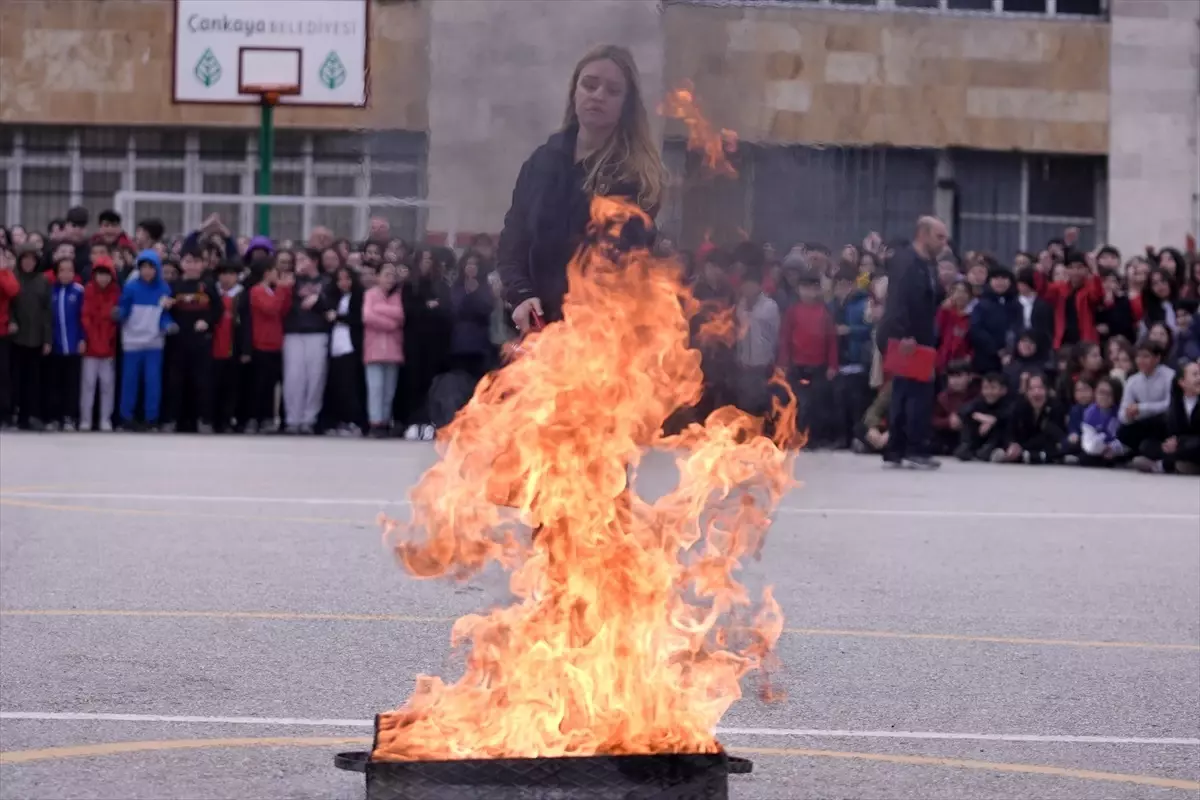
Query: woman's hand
{"points": [[523, 314]]}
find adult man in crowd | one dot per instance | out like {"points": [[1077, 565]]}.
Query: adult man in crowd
{"points": [[908, 318]]}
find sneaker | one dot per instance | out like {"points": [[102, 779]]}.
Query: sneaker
{"points": [[998, 456], [963, 453], [307, 430], [204, 428], [412, 433], [154, 427], [1071, 461], [428, 433], [251, 427], [167, 427], [1143, 464], [106, 427], [891, 462], [351, 430], [1026, 457], [85, 427], [271, 427], [49, 427], [922, 462], [36, 425], [858, 446], [69, 427]]}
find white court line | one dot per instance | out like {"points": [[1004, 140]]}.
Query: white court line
{"points": [[812, 512], [782, 732]]}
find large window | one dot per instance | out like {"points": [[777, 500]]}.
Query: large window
{"points": [[1013, 201], [46, 169], [1061, 8]]}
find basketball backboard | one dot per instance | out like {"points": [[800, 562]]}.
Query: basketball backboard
{"points": [[228, 50]]}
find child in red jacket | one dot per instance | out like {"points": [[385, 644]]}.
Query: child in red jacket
{"points": [[99, 317], [808, 351], [953, 324], [270, 300]]}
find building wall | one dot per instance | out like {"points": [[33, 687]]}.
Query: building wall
{"points": [[802, 74], [108, 62], [1154, 163], [498, 78]]}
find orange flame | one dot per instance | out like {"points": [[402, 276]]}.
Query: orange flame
{"points": [[715, 145], [630, 631]]}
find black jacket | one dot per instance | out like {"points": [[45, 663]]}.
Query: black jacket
{"points": [[353, 316], [912, 300], [307, 320], [1032, 429], [1185, 428], [196, 300], [548, 221], [1041, 324], [995, 321], [427, 329], [1119, 319]]}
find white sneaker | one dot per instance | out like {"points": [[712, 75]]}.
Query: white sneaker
{"points": [[106, 427], [412, 433], [428, 433], [85, 427]]}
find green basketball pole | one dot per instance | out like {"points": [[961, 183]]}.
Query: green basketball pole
{"points": [[266, 159]]}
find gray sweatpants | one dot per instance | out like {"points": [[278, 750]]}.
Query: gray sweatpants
{"points": [[100, 372], [305, 358]]}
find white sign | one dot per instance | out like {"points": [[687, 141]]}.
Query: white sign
{"points": [[331, 34]]}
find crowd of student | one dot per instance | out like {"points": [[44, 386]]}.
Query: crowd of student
{"points": [[1060, 356], [210, 333]]}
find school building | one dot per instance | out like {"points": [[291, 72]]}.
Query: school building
{"points": [[1011, 118]]}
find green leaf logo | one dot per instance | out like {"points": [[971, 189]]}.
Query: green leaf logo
{"points": [[333, 72], [208, 69]]}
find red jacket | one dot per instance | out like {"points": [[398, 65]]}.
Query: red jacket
{"points": [[953, 327], [809, 337], [99, 327], [267, 310], [1090, 295], [8, 290], [223, 341]]}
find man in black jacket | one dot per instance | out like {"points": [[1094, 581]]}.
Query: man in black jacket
{"points": [[908, 317]]}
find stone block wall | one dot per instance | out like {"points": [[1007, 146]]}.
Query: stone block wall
{"points": [[810, 75], [1154, 162]]}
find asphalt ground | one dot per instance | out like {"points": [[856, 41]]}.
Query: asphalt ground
{"points": [[186, 617]]}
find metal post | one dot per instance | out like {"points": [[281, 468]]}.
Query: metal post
{"points": [[266, 155]]}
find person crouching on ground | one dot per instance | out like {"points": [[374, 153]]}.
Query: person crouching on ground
{"points": [[1146, 400], [1035, 435], [1180, 452], [100, 314], [1099, 445], [986, 421], [808, 351], [948, 408], [145, 318]]}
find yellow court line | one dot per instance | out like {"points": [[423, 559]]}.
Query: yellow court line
{"points": [[119, 748], [287, 616]]}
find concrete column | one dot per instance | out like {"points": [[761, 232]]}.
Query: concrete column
{"points": [[1154, 163], [498, 74]]}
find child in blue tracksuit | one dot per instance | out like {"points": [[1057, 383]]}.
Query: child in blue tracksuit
{"points": [[66, 343], [144, 323]]}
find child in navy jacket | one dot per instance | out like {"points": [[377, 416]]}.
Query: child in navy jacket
{"points": [[66, 347]]}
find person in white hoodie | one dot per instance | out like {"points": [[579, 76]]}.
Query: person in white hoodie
{"points": [[1147, 396]]}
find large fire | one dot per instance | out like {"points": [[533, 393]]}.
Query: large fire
{"points": [[630, 630]]}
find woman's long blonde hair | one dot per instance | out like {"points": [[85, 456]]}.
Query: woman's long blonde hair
{"points": [[631, 154]]}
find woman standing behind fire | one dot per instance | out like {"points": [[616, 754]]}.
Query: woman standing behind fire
{"points": [[604, 148]]}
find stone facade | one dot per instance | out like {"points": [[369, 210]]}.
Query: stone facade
{"points": [[108, 62], [1154, 162], [810, 75]]}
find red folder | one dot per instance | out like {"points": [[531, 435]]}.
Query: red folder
{"points": [[917, 365]]}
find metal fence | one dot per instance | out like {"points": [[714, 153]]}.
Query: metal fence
{"points": [[44, 170]]}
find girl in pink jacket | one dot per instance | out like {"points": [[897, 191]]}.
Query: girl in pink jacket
{"points": [[383, 347]]}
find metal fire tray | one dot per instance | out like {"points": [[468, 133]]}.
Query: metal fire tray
{"points": [[687, 776]]}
